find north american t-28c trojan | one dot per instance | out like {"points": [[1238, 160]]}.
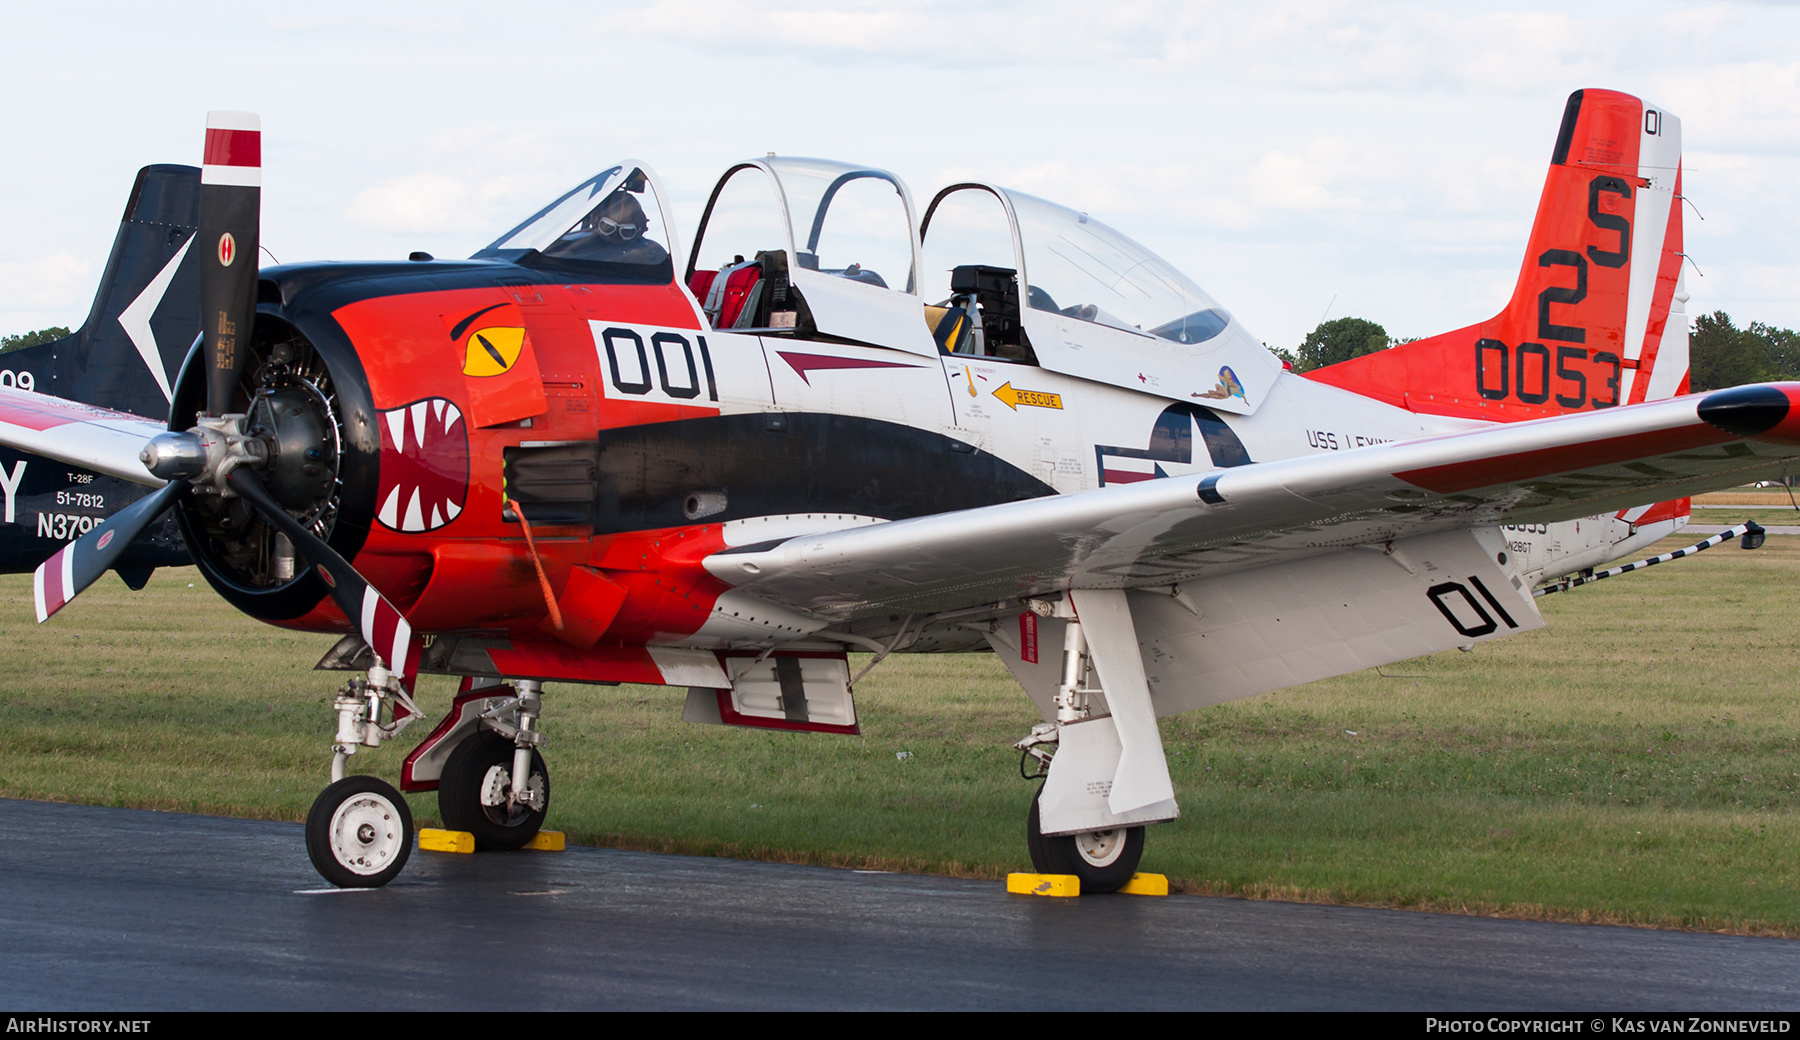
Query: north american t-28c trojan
{"points": [[586, 455]]}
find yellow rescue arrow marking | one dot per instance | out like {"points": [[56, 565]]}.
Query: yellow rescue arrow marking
{"points": [[1013, 398]]}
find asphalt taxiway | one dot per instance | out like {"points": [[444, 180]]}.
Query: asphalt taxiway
{"points": [[115, 909]]}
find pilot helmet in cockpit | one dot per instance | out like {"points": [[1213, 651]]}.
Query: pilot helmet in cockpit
{"points": [[612, 231]]}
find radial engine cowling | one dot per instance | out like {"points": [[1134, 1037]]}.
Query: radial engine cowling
{"points": [[306, 401]]}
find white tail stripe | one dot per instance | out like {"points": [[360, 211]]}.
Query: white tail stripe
{"points": [[236, 176], [223, 119]]}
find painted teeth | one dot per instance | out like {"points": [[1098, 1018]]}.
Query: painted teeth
{"points": [[414, 504], [405, 509], [408, 425]]}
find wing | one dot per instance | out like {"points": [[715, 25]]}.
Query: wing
{"points": [[1159, 532], [82, 435]]}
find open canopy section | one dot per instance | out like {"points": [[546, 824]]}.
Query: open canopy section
{"points": [[1087, 300], [793, 246], [608, 228]]}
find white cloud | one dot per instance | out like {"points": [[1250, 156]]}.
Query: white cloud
{"points": [[427, 202], [58, 285], [282, 23]]}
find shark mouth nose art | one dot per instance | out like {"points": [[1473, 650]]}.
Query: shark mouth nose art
{"points": [[424, 465]]}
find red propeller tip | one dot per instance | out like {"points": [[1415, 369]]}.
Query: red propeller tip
{"points": [[233, 149]]}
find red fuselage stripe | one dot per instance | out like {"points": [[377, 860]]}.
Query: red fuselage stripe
{"points": [[804, 363], [1567, 458]]}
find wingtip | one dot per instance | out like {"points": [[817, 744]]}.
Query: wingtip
{"points": [[1764, 411]]}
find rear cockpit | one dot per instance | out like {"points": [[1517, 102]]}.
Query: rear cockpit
{"points": [[1025, 280]]}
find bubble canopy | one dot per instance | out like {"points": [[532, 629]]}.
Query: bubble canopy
{"points": [[1074, 265], [846, 237], [839, 218], [609, 227], [1092, 302]]}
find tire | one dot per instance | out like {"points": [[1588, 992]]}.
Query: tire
{"points": [[359, 833], [1103, 860], [496, 828]]}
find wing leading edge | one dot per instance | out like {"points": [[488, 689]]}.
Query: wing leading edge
{"points": [[1163, 531], [82, 435]]}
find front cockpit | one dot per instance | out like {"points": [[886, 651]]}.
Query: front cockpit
{"points": [[608, 228]]}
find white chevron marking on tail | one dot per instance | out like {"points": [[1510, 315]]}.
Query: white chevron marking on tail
{"points": [[135, 319]]}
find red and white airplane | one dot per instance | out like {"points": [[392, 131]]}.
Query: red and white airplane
{"points": [[589, 455]]}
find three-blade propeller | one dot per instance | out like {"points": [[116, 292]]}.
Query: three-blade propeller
{"points": [[230, 219]]}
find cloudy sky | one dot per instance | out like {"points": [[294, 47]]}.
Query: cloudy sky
{"points": [[1298, 160]]}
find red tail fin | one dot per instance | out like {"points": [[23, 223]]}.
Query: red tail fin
{"points": [[1597, 318]]}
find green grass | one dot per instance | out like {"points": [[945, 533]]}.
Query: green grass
{"points": [[1784, 515], [1635, 762]]}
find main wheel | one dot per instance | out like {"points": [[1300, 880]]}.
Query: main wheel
{"points": [[359, 833], [482, 765], [1103, 860]]}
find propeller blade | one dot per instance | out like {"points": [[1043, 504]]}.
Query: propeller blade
{"points": [[80, 563], [230, 217], [380, 624]]}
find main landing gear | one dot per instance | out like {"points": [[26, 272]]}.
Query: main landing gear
{"points": [[483, 759], [1103, 860], [1101, 760]]}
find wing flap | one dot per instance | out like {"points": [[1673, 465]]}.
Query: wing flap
{"points": [[82, 435], [1157, 532]]}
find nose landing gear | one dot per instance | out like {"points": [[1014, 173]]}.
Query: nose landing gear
{"points": [[359, 833]]}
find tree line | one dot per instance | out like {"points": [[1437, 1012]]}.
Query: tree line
{"points": [[32, 339]]}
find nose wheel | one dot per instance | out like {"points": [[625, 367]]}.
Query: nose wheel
{"points": [[359, 833], [1103, 860], [475, 793]]}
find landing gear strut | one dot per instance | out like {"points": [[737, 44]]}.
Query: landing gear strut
{"points": [[495, 784], [1101, 757]]}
